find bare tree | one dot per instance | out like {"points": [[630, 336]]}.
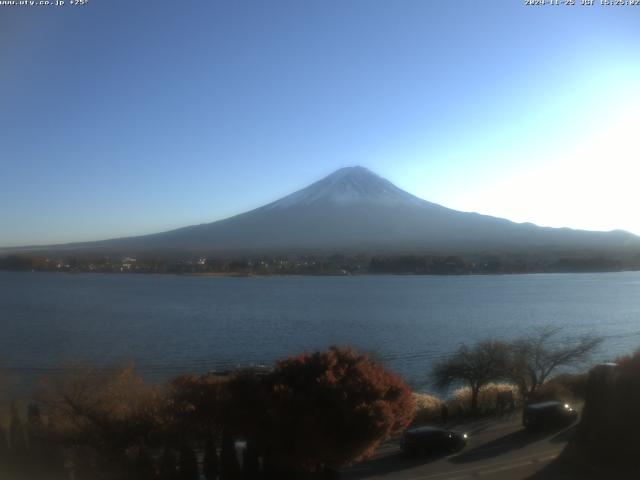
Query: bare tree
{"points": [[535, 357], [474, 367], [106, 409]]}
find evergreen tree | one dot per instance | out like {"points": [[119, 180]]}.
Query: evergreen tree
{"points": [[210, 464], [84, 464], [251, 462], [143, 468], [18, 449], [229, 467], [4, 453], [34, 417], [36, 437], [53, 460], [268, 469], [188, 464], [167, 470]]}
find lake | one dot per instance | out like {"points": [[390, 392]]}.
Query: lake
{"points": [[172, 324]]}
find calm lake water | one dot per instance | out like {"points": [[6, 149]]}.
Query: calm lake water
{"points": [[171, 324]]}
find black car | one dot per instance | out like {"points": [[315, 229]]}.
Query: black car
{"points": [[548, 414], [425, 441]]}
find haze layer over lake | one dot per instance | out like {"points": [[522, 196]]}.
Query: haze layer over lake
{"points": [[174, 324]]}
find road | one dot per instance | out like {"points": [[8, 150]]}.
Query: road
{"points": [[497, 449]]}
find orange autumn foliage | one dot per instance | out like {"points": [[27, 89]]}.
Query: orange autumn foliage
{"points": [[334, 408]]}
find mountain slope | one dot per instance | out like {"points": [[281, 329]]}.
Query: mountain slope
{"points": [[354, 209]]}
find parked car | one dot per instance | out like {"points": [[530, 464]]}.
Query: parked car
{"points": [[548, 414], [423, 441]]}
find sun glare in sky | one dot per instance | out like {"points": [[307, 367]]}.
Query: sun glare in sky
{"points": [[577, 168], [591, 184]]}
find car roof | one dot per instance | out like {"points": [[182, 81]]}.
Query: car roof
{"points": [[427, 430], [543, 405]]}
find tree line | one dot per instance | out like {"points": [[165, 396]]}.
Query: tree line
{"points": [[528, 362], [306, 417], [336, 264]]}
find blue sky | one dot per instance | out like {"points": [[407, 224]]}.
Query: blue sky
{"points": [[121, 117]]}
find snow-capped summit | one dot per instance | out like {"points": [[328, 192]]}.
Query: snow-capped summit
{"points": [[349, 185], [353, 209]]}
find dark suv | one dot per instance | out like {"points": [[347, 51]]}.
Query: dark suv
{"points": [[548, 414], [425, 441]]}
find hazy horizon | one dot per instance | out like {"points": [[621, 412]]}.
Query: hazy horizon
{"points": [[277, 201]]}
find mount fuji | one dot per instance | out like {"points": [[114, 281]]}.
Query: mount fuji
{"points": [[353, 209]]}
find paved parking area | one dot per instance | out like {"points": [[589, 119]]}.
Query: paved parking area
{"points": [[497, 449]]}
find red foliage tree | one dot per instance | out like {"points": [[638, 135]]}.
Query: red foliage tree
{"points": [[195, 406], [329, 409]]}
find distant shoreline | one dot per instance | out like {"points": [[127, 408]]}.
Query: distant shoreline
{"points": [[332, 275], [337, 264]]}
